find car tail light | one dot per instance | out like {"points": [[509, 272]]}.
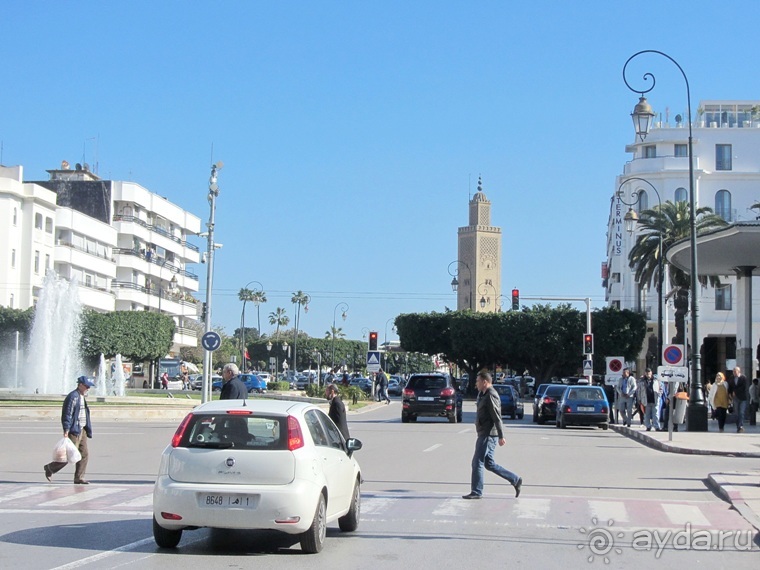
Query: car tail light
{"points": [[408, 392], [447, 392], [548, 400], [171, 516], [240, 412], [181, 430], [604, 409], [295, 435], [568, 409]]}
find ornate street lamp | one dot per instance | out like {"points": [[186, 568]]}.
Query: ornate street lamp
{"points": [[631, 218], [344, 310], [455, 281], [697, 411]]}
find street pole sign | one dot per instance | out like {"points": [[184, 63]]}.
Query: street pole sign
{"points": [[373, 361]]}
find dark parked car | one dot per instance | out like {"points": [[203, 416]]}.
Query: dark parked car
{"points": [[583, 406], [394, 388], [431, 394], [539, 392], [547, 404], [364, 383], [510, 401]]}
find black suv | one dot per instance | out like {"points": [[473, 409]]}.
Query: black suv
{"points": [[431, 394]]}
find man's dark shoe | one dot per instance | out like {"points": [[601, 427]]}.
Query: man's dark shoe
{"points": [[471, 496], [81, 482], [518, 487], [48, 473]]}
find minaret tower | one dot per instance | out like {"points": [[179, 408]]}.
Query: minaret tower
{"points": [[479, 256]]}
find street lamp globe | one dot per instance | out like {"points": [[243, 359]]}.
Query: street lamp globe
{"points": [[642, 118]]}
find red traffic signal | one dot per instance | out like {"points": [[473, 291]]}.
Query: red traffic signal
{"points": [[373, 340], [588, 343], [515, 299]]}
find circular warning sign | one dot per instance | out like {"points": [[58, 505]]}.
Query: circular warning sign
{"points": [[615, 365], [672, 355]]}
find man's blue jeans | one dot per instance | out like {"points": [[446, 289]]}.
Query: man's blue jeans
{"points": [[483, 457], [740, 407]]}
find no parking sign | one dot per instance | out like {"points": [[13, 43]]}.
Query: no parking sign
{"points": [[672, 355], [615, 365]]}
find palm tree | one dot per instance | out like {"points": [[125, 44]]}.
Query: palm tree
{"points": [[279, 318], [299, 298], [672, 221], [257, 298], [335, 331]]}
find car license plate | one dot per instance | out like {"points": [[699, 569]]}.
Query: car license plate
{"points": [[227, 501], [426, 398], [585, 408]]}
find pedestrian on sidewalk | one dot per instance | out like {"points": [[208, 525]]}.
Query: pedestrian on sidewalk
{"points": [[649, 395], [626, 388], [719, 399], [490, 430], [382, 382], [754, 401], [337, 410], [738, 390], [75, 420], [233, 387]]}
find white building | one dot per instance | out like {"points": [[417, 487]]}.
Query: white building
{"points": [[726, 151], [126, 246]]}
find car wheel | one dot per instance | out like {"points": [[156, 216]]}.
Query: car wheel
{"points": [[562, 423], [404, 419], [412, 418], [350, 521], [452, 419], [165, 538], [557, 424], [520, 416], [604, 426], [313, 539], [514, 416], [540, 420]]}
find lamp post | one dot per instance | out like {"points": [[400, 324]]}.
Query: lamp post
{"points": [[631, 217], [455, 281], [298, 299], [642, 118], [247, 295], [485, 298], [284, 348], [343, 309], [318, 356]]}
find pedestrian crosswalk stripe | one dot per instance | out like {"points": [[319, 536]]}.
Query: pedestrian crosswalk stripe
{"points": [[81, 497], [450, 507], [609, 511], [532, 508], [683, 514], [144, 501], [24, 493]]}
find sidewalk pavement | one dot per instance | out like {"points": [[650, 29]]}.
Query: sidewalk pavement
{"points": [[740, 488]]}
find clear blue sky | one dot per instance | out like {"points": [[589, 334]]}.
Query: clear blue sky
{"points": [[353, 133]]}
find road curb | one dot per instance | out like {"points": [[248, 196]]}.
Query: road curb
{"points": [[670, 448], [721, 484]]}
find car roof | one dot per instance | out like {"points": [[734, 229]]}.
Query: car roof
{"points": [[264, 406]]}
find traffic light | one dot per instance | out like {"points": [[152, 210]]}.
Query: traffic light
{"points": [[515, 299], [588, 343], [373, 340]]}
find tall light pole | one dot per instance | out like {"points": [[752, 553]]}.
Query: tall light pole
{"points": [[247, 295], [485, 298], [455, 281], [343, 309], [298, 299], [213, 193], [631, 217], [642, 119]]}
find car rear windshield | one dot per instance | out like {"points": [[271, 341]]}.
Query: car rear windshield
{"points": [[223, 431], [585, 394], [503, 390], [555, 391], [427, 383]]}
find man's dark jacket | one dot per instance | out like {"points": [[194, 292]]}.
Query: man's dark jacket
{"points": [[234, 389], [337, 414], [488, 415], [70, 415]]}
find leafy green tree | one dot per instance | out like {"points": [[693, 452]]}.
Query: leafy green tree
{"points": [[12, 320], [672, 220], [136, 335], [617, 333]]}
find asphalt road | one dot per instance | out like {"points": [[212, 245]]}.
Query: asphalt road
{"points": [[588, 495]]}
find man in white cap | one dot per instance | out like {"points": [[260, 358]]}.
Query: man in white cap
{"points": [[75, 419]]}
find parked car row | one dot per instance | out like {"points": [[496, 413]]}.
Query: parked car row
{"points": [[575, 404]]}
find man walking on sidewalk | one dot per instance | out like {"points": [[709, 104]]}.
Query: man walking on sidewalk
{"points": [[489, 428], [626, 389], [738, 389]]}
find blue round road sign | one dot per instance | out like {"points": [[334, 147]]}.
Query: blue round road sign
{"points": [[672, 355], [211, 341]]}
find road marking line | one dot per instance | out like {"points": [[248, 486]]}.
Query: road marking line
{"points": [[531, 508], [82, 496], [609, 511], [450, 507], [682, 514], [432, 448], [376, 505], [144, 501], [29, 492]]}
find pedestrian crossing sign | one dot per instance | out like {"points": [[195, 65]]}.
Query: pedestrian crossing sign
{"points": [[373, 360]]}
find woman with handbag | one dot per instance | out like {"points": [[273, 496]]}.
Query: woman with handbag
{"points": [[719, 399]]}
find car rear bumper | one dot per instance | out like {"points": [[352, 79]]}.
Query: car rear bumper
{"points": [[295, 502], [585, 418]]}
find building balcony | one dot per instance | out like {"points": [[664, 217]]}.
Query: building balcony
{"points": [[101, 263], [125, 222], [167, 301], [660, 165], [144, 263]]}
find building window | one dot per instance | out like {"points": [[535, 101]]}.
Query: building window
{"points": [[13, 259], [723, 157], [49, 225], [681, 195], [723, 298], [650, 151], [616, 305], [38, 221], [616, 277], [15, 216], [11, 302], [643, 201], [680, 150], [47, 262], [723, 204], [37, 262]]}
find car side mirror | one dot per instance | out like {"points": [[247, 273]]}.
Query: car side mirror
{"points": [[352, 445]]}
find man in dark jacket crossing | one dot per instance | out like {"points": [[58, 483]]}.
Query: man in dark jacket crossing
{"points": [[489, 428]]}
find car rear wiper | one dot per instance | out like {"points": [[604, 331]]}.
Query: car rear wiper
{"points": [[211, 444]]}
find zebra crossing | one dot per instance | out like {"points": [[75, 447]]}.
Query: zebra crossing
{"points": [[397, 507]]}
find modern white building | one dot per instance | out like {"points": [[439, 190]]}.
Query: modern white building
{"points": [[478, 263], [126, 246], [726, 152]]}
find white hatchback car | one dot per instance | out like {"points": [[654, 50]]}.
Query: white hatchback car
{"points": [[257, 464]]}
